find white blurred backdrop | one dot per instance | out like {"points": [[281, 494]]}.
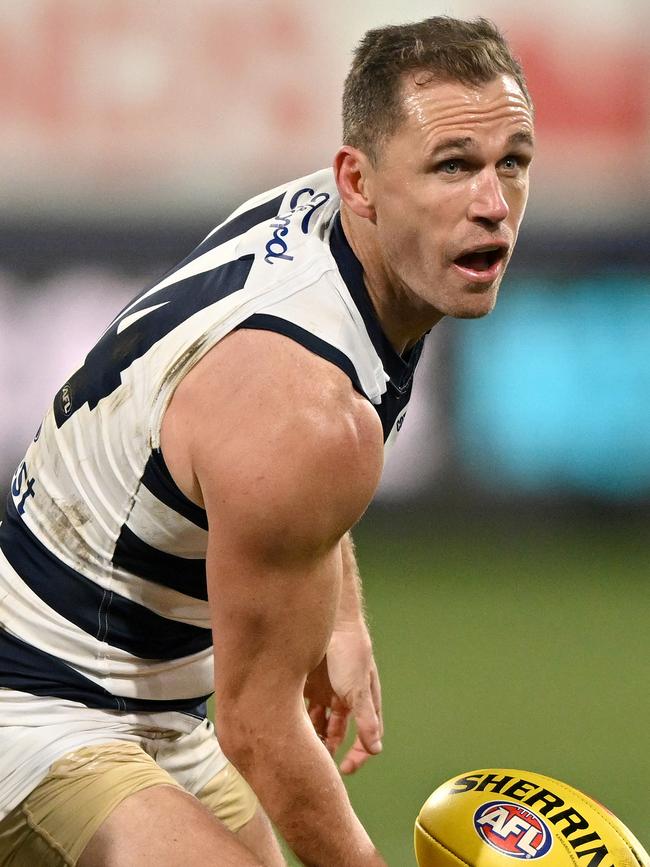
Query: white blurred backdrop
{"points": [[131, 127]]}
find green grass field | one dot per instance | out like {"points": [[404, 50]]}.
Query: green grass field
{"points": [[503, 645]]}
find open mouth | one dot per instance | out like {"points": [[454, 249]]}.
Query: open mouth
{"points": [[481, 260], [482, 265]]}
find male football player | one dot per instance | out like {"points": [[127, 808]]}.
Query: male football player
{"points": [[181, 521]]}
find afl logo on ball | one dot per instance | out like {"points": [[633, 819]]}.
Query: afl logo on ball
{"points": [[512, 830]]}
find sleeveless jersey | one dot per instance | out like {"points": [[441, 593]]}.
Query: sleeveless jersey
{"points": [[103, 598]]}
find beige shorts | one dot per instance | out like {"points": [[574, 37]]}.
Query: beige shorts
{"points": [[55, 822]]}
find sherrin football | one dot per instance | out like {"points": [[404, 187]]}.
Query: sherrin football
{"points": [[493, 817]]}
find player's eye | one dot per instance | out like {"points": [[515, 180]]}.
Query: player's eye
{"points": [[450, 167], [514, 163]]}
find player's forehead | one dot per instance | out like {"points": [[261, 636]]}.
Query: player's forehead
{"points": [[448, 110]]}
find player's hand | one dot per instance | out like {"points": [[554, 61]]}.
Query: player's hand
{"points": [[345, 685]]}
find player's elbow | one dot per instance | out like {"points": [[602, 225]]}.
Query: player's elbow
{"points": [[235, 735], [243, 735], [249, 736]]}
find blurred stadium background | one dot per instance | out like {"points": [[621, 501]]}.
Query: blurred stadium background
{"points": [[507, 557]]}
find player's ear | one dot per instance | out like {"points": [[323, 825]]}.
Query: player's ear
{"points": [[353, 173]]}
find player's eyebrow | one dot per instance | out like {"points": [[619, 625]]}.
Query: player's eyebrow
{"points": [[463, 143], [521, 137], [467, 143]]}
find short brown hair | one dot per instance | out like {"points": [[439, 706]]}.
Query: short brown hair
{"points": [[471, 52]]}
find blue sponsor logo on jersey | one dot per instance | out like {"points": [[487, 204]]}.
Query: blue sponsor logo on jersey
{"points": [[305, 202], [22, 487]]}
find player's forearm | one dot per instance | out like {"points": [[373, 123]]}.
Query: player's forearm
{"points": [[350, 607], [300, 788]]}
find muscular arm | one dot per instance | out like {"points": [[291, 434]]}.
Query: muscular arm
{"points": [[286, 457]]}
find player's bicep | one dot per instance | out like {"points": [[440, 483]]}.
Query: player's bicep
{"points": [[277, 511]]}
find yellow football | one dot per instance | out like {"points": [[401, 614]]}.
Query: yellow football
{"points": [[491, 818]]}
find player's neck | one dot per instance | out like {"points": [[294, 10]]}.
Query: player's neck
{"points": [[403, 317]]}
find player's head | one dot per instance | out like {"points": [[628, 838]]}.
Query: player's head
{"points": [[438, 137], [437, 49]]}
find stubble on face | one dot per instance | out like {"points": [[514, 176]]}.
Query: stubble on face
{"points": [[453, 179]]}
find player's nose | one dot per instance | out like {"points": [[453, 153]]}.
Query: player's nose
{"points": [[488, 204]]}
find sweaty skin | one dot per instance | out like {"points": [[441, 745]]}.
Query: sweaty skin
{"points": [[285, 455], [453, 177]]}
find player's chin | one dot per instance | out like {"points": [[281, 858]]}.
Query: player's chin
{"points": [[474, 305], [471, 299]]}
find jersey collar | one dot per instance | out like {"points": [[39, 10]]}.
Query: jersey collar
{"points": [[399, 368]]}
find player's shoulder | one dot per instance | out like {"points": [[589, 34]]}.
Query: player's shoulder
{"points": [[294, 192], [265, 375], [280, 218], [261, 414]]}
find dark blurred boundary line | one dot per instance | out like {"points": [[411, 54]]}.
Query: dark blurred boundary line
{"points": [[32, 250], [435, 518]]}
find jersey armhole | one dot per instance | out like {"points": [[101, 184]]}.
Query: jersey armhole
{"points": [[266, 322], [160, 482]]}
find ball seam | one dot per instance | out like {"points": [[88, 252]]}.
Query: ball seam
{"points": [[442, 845]]}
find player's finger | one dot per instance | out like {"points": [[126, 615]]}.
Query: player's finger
{"points": [[375, 691], [369, 727], [337, 724], [356, 756]]}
